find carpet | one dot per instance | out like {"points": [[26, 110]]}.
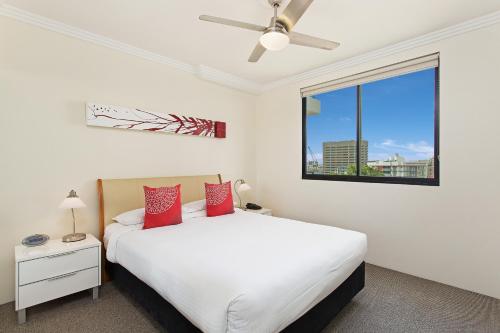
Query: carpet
{"points": [[390, 302]]}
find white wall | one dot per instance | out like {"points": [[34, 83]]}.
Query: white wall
{"points": [[46, 149], [450, 233]]}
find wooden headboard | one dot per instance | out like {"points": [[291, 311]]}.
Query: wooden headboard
{"points": [[120, 195]]}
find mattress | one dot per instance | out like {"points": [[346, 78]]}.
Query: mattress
{"points": [[242, 272]]}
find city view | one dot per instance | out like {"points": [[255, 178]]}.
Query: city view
{"points": [[397, 128], [339, 158]]}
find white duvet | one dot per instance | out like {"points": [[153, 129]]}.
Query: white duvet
{"points": [[242, 272]]}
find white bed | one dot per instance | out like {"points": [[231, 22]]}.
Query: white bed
{"points": [[242, 272]]}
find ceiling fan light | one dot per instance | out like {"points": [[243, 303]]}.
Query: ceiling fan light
{"points": [[274, 40]]}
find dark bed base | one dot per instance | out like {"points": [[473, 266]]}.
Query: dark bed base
{"points": [[174, 322]]}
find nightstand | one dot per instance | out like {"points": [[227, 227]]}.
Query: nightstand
{"points": [[56, 269], [262, 211]]}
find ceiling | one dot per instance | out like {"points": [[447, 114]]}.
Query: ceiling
{"points": [[171, 28]]}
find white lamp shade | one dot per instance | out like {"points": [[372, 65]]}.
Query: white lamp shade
{"points": [[244, 187], [74, 202], [274, 40]]}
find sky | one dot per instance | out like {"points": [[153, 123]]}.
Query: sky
{"points": [[397, 117]]}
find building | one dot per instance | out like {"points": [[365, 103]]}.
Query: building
{"points": [[313, 106], [338, 155], [314, 168], [397, 166]]}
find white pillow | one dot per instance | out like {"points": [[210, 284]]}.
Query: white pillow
{"points": [[194, 206], [131, 217]]}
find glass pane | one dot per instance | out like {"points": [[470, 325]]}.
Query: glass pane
{"points": [[398, 123], [331, 132]]}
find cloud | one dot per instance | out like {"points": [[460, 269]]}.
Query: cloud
{"points": [[345, 119], [420, 149]]}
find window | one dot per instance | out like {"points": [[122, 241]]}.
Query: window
{"points": [[378, 126]]}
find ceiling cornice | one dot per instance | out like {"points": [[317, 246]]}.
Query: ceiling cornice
{"points": [[46, 23], [211, 74], [454, 30], [229, 80], [203, 72]]}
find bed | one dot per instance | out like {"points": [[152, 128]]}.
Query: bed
{"points": [[241, 272]]}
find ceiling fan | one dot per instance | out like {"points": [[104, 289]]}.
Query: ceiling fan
{"points": [[279, 32]]}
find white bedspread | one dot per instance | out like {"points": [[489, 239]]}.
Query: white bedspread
{"points": [[242, 272]]}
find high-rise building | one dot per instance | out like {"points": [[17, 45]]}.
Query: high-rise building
{"points": [[338, 155]]}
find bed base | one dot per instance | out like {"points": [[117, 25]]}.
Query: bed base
{"points": [[173, 321]]}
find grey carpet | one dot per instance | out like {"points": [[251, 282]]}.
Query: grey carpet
{"points": [[390, 302]]}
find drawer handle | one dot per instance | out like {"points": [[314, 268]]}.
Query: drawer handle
{"points": [[61, 276], [60, 255]]}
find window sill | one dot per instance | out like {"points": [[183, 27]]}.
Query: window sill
{"points": [[380, 180]]}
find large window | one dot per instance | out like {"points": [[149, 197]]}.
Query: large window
{"points": [[378, 126]]}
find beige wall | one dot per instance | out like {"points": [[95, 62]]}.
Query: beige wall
{"points": [[450, 233], [46, 149]]}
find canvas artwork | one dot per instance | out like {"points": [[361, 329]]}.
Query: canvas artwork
{"points": [[136, 119]]}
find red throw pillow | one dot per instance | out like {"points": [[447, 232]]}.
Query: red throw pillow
{"points": [[219, 199], [163, 206]]}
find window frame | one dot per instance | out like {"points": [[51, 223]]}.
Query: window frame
{"points": [[371, 179]]}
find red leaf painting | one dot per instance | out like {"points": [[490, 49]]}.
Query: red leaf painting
{"points": [[121, 117]]}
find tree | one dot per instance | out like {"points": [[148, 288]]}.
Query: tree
{"points": [[351, 170], [366, 170]]}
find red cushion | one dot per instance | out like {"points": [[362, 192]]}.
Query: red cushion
{"points": [[219, 199], [163, 206]]}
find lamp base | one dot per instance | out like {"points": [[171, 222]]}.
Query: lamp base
{"points": [[74, 237]]}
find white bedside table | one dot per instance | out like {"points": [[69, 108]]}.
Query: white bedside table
{"points": [[262, 211], [56, 269]]}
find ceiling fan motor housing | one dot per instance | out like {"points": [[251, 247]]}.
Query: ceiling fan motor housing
{"points": [[275, 2]]}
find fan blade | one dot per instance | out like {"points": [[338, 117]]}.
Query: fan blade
{"points": [[306, 40], [257, 52], [293, 12], [238, 24]]}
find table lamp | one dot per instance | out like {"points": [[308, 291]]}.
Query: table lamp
{"points": [[242, 188], [73, 201]]}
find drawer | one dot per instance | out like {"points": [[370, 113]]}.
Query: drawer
{"points": [[66, 262], [55, 287]]}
